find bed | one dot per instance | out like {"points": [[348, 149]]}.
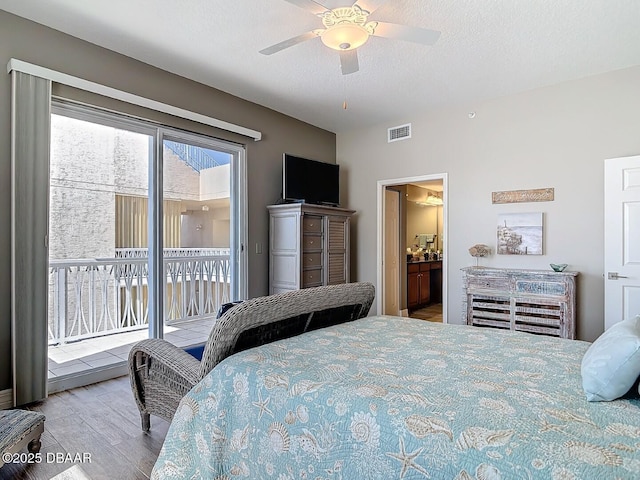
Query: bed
{"points": [[390, 397]]}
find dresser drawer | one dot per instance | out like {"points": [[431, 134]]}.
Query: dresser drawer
{"points": [[311, 224], [311, 243], [311, 278], [311, 260]]}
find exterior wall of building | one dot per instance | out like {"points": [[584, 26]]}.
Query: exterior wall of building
{"points": [[90, 164], [82, 213], [180, 182]]}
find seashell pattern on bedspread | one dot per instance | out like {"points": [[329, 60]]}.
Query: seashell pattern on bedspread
{"points": [[389, 397]]}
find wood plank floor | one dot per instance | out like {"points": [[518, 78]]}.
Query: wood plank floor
{"points": [[101, 420]]}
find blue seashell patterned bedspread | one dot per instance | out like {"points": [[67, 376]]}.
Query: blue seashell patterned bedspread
{"points": [[398, 398]]}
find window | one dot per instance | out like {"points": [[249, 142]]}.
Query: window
{"points": [[144, 241]]}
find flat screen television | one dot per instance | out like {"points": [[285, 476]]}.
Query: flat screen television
{"points": [[310, 181]]}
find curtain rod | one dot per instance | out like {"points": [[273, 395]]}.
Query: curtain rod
{"points": [[82, 84]]}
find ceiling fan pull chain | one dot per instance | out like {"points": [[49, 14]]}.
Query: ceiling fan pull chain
{"points": [[344, 92]]}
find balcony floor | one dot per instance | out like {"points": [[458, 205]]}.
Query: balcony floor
{"points": [[84, 355]]}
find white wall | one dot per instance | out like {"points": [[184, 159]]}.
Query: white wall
{"points": [[556, 136], [214, 182]]}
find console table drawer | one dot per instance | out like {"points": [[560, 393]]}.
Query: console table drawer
{"points": [[484, 283], [538, 287]]}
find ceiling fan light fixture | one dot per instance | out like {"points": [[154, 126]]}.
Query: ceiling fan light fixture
{"points": [[344, 36]]}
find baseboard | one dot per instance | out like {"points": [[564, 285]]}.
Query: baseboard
{"points": [[80, 379], [6, 399], [404, 313]]}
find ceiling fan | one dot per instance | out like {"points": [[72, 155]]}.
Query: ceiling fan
{"points": [[347, 28]]}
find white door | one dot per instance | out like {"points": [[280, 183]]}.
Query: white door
{"points": [[621, 239], [391, 252]]}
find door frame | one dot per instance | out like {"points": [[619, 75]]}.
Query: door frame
{"points": [[380, 222]]}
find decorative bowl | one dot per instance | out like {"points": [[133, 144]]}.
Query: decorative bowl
{"points": [[558, 267]]}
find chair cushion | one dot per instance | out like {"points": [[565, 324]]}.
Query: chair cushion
{"points": [[611, 365], [15, 425], [195, 351]]}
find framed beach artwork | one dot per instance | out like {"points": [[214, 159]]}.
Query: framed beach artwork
{"points": [[520, 234]]}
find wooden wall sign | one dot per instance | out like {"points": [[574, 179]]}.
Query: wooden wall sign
{"points": [[522, 196]]}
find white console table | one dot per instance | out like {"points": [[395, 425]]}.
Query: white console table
{"points": [[535, 301]]}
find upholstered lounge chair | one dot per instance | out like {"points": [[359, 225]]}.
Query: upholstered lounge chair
{"points": [[161, 374]]}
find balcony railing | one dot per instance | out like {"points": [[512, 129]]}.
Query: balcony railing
{"points": [[171, 252], [93, 297]]}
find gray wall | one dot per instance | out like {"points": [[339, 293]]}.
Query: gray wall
{"points": [[36, 44], [558, 136]]}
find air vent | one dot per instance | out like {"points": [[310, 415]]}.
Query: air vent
{"points": [[401, 132]]}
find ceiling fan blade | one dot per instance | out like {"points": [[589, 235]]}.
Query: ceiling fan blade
{"points": [[370, 5], [288, 43], [349, 61], [405, 32], [309, 5]]}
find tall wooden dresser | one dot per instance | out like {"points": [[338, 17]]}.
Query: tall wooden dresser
{"points": [[308, 246], [535, 301]]}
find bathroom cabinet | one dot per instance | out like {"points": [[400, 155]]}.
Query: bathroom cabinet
{"points": [[424, 283]]}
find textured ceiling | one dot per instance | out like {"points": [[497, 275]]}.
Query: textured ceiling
{"points": [[488, 48]]}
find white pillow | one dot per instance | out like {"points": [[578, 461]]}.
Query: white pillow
{"points": [[611, 365]]}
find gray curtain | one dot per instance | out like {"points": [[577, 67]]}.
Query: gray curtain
{"points": [[30, 134]]}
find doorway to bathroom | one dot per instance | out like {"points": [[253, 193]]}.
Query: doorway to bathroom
{"points": [[412, 247]]}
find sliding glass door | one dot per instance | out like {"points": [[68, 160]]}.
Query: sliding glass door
{"points": [[202, 239], [146, 234]]}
